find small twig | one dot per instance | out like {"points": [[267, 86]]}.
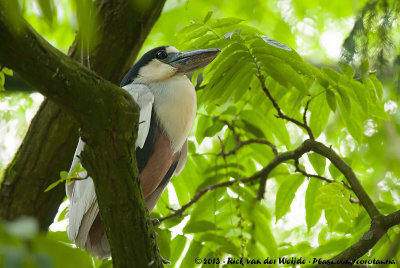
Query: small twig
{"points": [[282, 115], [240, 143], [305, 112], [202, 192], [302, 171]]}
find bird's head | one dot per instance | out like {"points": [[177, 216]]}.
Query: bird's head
{"points": [[162, 63]]}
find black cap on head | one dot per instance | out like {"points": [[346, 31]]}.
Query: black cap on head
{"points": [[155, 53]]}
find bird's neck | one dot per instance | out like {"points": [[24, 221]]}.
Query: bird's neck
{"points": [[175, 107]]}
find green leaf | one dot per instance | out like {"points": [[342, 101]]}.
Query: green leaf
{"points": [[192, 253], [202, 124], [190, 28], [224, 73], [352, 122], [364, 67], [252, 128], [345, 97], [208, 16], [46, 8], [377, 84], [59, 253], [223, 243], [199, 226], [204, 208], [331, 74], [278, 128], [215, 127], [177, 245], [348, 71], [164, 242], [2, 81], [269, 47], [64, 175], [225, 22], [62, 214], [286, 193], [60, 236], [362, 95], [282, 73], [318, 162], [54, 184], [331, 246], [312, 213], [335, 173], [196, 33], [319, 114], [7, 71], [335, 199]]}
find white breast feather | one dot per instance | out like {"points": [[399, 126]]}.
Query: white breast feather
{"points": [[145, 99], [175, 105]]}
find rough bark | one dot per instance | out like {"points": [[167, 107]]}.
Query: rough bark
{"points": [[108, 118], [43, 153]]}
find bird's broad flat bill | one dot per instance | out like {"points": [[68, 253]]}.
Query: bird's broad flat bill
{"points": [[189, 61]]}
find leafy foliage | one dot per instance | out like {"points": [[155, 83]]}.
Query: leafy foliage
{"points": [[232, 93], [23, 246], [3, 72], [75, 174]]}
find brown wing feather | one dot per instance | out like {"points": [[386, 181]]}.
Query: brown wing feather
{"points": [[158, 165], [151, 177]]}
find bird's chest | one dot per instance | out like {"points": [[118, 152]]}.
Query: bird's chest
{"points": [[175, 108]]}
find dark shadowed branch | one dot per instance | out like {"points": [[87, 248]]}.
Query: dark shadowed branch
{"points": [[379, 227], [53, 134]]}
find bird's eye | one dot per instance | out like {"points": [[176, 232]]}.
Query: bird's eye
{"points": [[162, 55]]}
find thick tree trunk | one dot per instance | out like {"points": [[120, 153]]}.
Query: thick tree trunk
{"points": [[108, 118], [50, 142], [45, 150]]}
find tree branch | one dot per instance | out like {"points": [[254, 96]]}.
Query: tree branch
{"points": [[348, 172], [179, 212], [303, 125], [240, 143], [262, 174], [108, 118], [379, 227], [53, 134], [305, 147]]}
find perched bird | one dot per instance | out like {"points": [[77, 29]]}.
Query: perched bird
{"points": [[167, 101]]}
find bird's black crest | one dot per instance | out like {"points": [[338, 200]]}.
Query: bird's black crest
{"points": [[145, 59]]}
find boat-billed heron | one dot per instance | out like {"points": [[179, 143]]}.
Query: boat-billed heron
{"points": [[167, 101]]}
